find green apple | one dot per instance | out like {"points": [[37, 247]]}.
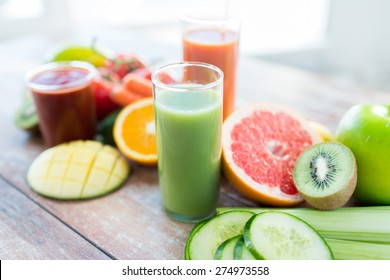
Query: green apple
{"points": [[79, 53], [365, 129], [95, 53]]}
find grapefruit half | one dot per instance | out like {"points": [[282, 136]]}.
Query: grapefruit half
{"points": [[261, 143]]}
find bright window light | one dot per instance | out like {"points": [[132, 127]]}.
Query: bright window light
{"points": [[267, 26], [20, 8]]}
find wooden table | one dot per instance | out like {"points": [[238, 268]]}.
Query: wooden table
{"points": [[130, 223]]}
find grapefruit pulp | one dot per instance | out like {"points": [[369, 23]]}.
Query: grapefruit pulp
{"points": [[260, 145]]}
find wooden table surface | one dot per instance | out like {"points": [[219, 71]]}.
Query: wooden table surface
{"points": [[130, 223]]}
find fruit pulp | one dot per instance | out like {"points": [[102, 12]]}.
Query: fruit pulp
{"points": [[261, 143], [188, 127], [220, 48], [67, 113], [77, 170], [266, 152]]}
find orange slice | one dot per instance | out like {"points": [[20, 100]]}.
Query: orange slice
{"points": [[135, 134]]}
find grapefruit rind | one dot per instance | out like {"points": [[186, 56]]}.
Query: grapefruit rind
{"points": [[239, 179]]}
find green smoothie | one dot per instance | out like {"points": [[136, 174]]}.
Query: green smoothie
{"points": [[188, 127]]}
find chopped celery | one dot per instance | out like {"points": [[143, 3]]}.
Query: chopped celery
{"points": [[354, 250], [366, 224]]}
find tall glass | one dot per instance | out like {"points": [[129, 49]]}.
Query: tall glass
{"points": [[188, 113], [214, 40]]}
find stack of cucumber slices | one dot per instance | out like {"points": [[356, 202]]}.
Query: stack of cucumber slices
{"points": [[248, 236], [349, 233]]}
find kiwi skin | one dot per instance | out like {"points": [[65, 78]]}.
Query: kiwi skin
{"points": [[336, 199]]}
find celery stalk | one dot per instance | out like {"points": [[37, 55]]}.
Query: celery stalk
{"points": [[365, 224], [354, 250]]}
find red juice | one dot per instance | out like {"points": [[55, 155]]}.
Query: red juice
{"points": [[64, 102]]}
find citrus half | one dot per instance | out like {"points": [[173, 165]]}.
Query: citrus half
{"points": [[261, 143], [134, 132]]}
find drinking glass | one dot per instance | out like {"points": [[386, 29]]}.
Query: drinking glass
{"points": [[214, 40], [64, 101], [188, 113]]}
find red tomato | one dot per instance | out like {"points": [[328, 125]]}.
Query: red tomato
{"points": [[102, 90]]}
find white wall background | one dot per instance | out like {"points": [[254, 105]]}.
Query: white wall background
{"points": [[267, 26], [344, 38]]}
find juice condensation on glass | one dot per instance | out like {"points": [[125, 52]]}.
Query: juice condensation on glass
{"points": [[220, 48], [189, 123]]}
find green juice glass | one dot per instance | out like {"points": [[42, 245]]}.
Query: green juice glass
{"points": [[188, 98]]}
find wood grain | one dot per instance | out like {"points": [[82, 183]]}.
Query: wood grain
{"points": [[29, 232], [128, 224]]}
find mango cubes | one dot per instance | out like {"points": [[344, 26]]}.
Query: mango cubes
{"points": [[78, 170]]}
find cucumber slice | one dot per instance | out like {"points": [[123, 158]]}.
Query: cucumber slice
{"points": [[241, 252], [225, 251], [282, 236], [203, 244], [194, 229]]}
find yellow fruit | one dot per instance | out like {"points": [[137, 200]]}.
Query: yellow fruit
{"points": [[322, 131], [77, 170], [134, 132]]}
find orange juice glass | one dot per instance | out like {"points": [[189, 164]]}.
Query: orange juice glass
{"points": [[214, 41]]}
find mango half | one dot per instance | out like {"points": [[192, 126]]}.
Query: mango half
{"points": [[78, 170]]}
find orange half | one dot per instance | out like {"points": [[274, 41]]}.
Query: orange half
{"points": [[135, 133]]}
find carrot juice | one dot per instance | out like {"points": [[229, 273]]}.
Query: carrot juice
{"points": [[220, 48]]}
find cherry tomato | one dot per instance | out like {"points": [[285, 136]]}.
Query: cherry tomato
{"points": [[123, 64]]}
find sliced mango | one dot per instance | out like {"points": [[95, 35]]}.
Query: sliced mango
{"points": [[78, 170]]}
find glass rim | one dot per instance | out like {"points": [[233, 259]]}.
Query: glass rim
{"points": [[174, 87], [92, 72]]}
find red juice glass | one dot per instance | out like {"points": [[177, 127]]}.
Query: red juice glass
{"points": [[64, 101]]}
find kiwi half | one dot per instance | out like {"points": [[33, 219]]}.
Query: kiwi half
{"points": [[325, 175]]}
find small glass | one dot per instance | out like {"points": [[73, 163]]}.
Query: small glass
{"points": [[214, 39], [64, 101], [188, 113]]}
